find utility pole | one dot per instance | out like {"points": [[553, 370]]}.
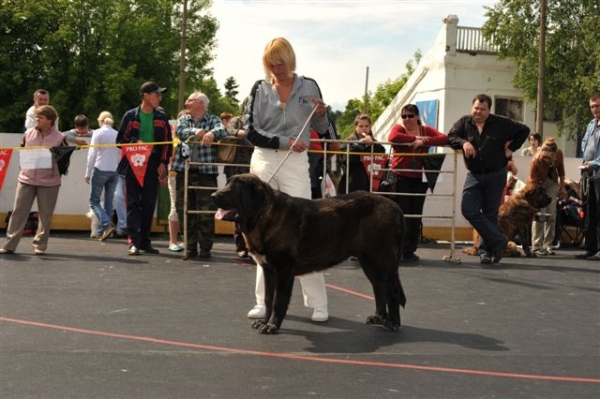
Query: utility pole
{"points": [[182, 58], [539, 123], [366, 96]]}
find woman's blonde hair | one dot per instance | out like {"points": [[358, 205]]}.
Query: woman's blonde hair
{"points": [[279, 51], [105, 118]]}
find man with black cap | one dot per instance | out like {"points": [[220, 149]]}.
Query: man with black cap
{"points": [[145, 124]]}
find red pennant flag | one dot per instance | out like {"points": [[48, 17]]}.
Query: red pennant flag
{"points": [[138, 156], [5, 156], [373, 165]]}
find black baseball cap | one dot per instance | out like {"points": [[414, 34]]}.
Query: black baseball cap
{"points": [[151, 87]]}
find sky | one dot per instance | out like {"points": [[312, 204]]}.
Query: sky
{"points": [[334, 40]]}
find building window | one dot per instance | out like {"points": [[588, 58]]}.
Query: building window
{"points": [[509, 107]]}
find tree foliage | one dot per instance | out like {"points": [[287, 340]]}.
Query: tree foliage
{"points": [[572, 68], [231, 89], [93, 55], [376, 102]]}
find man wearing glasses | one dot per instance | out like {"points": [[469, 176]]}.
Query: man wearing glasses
{"points": [[145, 124], [200, 129], [590, 145], [487, 142]]}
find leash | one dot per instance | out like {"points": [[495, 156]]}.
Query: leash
{"points": [[293, 144]]}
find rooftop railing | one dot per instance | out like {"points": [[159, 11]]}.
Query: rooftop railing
{"points": [[471, 40]]}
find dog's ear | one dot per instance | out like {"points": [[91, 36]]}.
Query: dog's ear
{"points": [[252, 196]]}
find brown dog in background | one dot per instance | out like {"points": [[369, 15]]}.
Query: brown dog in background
{"points": [[515, 217], [517, 213]]}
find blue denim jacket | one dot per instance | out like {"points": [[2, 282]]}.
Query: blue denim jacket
{"points": [[586, 141]]}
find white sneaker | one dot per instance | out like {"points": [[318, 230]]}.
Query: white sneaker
{"points": [[320, 314], [257, 312]]}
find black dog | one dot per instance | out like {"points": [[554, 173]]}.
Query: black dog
{"points": [[291, 236]]}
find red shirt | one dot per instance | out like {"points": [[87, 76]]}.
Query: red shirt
{"points": [[400, 135]]}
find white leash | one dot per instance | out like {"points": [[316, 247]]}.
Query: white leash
{"points": [[293, 144]]}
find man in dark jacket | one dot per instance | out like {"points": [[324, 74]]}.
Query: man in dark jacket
{"points": [[145, 124], [488, 142]]}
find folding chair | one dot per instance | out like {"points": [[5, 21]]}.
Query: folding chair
{"points": [[570, 223]]}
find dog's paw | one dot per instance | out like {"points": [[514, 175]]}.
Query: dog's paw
{"points": [[375, 320], [391, 326], [268, 329], [257, 324]]}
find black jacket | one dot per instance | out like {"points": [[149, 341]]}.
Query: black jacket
{"points": [[491, 143]]}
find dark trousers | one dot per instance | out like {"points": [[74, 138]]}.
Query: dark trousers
{"points": [[592, 216], [481, 198], [141, 203], [200, 226], [411, 205]]}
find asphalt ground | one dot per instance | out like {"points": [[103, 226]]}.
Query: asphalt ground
{"points": [[87, 321]]}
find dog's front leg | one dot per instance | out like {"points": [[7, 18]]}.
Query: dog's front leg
{"points": [[264, 325], [526, 239], [283, 294]]}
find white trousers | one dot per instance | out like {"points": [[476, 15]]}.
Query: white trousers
{"points": [[291, 178]]}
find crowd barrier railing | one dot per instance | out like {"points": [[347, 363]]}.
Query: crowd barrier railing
{"points": [[376, 168]]}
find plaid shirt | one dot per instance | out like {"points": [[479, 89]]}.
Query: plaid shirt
{"points": [[186, 128]]}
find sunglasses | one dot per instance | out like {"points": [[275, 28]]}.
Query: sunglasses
{"points": [[409, 116]]}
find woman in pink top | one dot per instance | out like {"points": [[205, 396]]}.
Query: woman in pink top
{"points": [[417, 138], [41, 182]]}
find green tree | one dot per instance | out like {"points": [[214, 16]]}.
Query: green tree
{"points": [[231, 91], [93, 55], [376, 102], [572, 53]]}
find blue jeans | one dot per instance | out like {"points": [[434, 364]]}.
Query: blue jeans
{"points": [[119, 203], [481, 198], [107, 182]]}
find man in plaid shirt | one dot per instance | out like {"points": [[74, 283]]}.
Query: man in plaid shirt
{"points": [[199, 129]]}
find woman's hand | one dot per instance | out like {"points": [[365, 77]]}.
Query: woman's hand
{"points": [[298, 147], [419, 141], [321, 108]]}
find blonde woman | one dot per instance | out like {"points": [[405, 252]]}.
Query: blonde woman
{"points": [[276, 111], [101, 172]]}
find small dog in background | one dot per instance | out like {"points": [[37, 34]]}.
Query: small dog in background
{"points": [[94, 224], [30, 227]]}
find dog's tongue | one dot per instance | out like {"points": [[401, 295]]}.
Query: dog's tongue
{"points": [[220, 214]]}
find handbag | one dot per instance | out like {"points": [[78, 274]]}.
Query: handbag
{"points": [[389, 179], [227, 149]]}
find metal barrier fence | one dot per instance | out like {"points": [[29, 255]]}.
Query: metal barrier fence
{"points": [[376, 169]]}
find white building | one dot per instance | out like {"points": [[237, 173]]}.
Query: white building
{"points": [[460, 65]]}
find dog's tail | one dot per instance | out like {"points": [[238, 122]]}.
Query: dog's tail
{"points": [[401, 294]]}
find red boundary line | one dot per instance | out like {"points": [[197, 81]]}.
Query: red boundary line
{"points": [[300, 357]]}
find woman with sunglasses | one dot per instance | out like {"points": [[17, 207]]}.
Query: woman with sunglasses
{"points": [[415, 138]]}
